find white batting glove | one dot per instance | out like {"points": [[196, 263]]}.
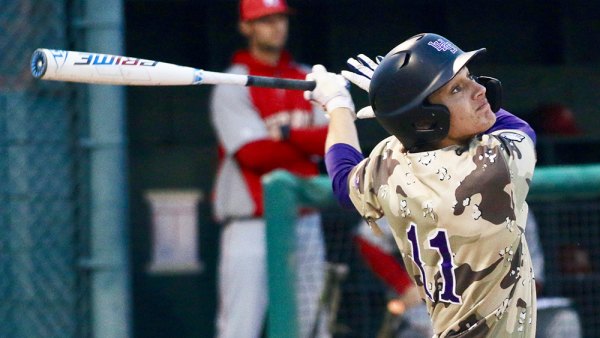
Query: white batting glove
{"points": [[365, 113], [331, 91], [362, 69]]}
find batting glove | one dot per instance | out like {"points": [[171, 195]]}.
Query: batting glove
{"points": [[331, 91], [362, 69]]}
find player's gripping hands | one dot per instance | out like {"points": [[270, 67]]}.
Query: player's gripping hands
{"points": [[360, 73], [331, 91]]}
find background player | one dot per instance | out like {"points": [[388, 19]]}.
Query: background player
{"points": [[260, 130], [451, 181]]}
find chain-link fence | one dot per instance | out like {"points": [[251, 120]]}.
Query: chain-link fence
{"points": [[567, 215], [569, 232], [42, 289]]}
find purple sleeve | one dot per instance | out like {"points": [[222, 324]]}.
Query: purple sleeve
{"points": [[506, 120], [340, 159]]}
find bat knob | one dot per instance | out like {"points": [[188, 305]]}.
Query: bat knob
{"points": [[39, 63]]}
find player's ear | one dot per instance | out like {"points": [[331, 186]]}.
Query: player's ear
{"points": [[245, 28]]}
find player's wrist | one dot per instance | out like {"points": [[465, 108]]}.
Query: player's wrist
{"points": [[340, 103], [341, 113]]}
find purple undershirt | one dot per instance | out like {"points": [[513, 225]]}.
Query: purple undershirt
{"points": [[506, 120], [341, 158]]}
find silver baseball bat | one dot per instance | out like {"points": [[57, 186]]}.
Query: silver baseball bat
{"points": [[94, 68]]}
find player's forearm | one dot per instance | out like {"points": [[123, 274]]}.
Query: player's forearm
{"points": [[342, 129], [342, 153], [385, 265], [310, 140], [262, 156]]}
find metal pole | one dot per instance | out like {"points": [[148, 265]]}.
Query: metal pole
{"points": [[102, 24]]}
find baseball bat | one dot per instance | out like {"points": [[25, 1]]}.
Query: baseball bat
{"points": [[94, 68]]}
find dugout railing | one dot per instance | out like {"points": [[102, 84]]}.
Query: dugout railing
{"points": [[564, 199]]}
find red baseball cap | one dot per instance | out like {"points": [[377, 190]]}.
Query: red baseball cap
{"points": [[254, 9]]}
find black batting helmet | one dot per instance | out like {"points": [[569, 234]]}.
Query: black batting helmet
{"points": [[404, 79]]}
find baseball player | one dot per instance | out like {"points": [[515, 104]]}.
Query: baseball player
{"points": [[451, 181], [259, 130]]}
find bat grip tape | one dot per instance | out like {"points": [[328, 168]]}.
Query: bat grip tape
{"points": [[273, 82]]}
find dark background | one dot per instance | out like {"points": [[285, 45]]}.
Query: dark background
{"points": [[543, 51]]}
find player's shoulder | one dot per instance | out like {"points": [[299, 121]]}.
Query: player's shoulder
{"points": [[512, 139], [516, 146], [513, 135], [387, 152], [389, 143]]}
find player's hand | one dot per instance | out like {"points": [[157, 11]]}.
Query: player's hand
{"points": [[362, 69], [331, 91], [408, 299]]}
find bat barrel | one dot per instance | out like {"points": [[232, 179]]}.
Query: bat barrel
{"points": [[94, 68], [39, 63]]}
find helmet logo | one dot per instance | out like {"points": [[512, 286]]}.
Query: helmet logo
{"points": [[271, 3], [443, 45]]}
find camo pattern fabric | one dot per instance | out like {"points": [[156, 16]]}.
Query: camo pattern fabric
{"points": [[458, 216]]}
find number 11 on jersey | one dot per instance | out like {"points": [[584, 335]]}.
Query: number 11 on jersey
{"points": [[438, 242]]}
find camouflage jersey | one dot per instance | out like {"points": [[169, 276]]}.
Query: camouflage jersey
{"points": [[458, 216]]}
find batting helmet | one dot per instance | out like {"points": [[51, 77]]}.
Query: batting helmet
{"points": [[404, 79]]}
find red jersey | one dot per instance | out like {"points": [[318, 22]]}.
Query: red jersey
{"points": [[244, 118]]}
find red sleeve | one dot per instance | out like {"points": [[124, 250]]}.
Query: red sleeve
{"points": [[310, 141], [384, 265], [264, 156]]}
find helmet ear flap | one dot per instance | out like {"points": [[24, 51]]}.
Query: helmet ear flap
{"points": [[493, 91]]}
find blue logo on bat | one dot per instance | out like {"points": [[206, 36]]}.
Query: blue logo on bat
{"points": [[198, 76]]}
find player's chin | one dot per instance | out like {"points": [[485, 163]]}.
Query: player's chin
{"points": [[486, 115], [485, 120]]}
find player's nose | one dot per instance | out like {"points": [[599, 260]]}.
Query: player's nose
{"points": [[479, 90]]}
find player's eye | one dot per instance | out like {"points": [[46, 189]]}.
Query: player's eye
{"points": [[456, 89]]}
